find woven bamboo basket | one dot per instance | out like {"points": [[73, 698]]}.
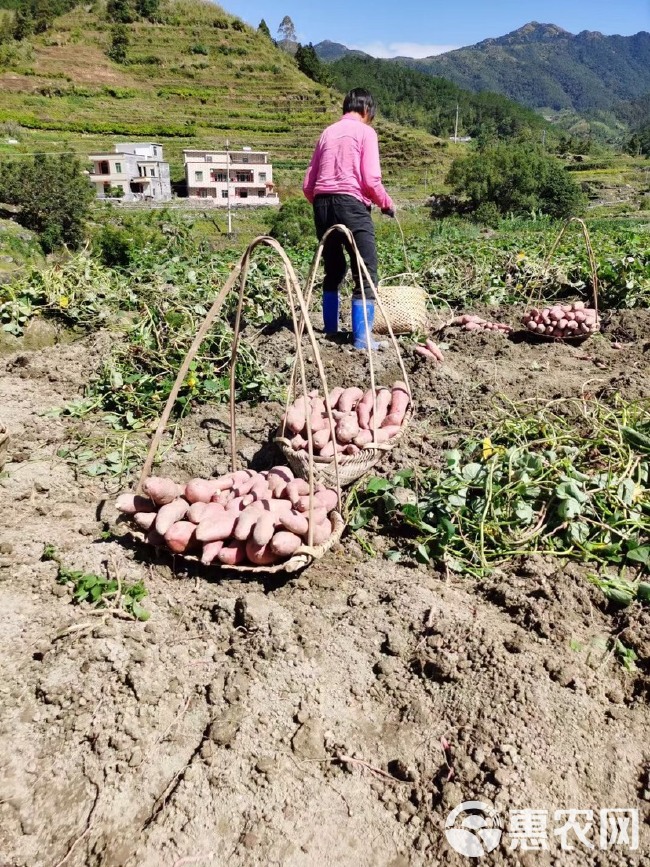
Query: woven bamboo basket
{"points": [[301, 558], [306, 553], [344, 469], [405, 307], [535, 296], [4, 445]]}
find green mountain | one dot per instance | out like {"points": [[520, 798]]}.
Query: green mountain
{"points": [[413, 98], [544, 66], [329, 51]]}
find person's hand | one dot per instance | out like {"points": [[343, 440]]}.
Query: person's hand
{"points": [[388, 212]]}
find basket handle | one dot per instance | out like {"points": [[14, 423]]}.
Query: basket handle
{"points": [[590, 253], [361, 271], [295, 297]]}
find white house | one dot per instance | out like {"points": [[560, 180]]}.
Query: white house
{"points": [[242, 177], [136, 169]]}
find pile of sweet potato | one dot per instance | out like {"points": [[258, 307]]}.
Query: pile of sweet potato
{"points": [[471, 322], [356, 415], [243, 517], [562, 320]]}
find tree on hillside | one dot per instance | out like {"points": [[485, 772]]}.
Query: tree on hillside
{"points": [[23, 23], [516, 179], [263, 28], [287, 29], [147, 8], [53, 197], [310, 65], [119, 43], [120, 11]]}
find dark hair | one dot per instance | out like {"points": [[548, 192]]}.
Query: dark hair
{"points": [[361, 101]]}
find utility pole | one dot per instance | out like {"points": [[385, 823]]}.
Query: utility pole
{"points": [[544, 138], [228, 185], [456, 127]]}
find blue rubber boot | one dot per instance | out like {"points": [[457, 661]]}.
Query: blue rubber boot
{"points": [[363, 338], [330, 312]]}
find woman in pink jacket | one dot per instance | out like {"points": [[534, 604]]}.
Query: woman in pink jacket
{"points": [[342, 182]]}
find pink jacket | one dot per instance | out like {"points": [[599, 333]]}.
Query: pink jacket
{"points": [[346, 162]]}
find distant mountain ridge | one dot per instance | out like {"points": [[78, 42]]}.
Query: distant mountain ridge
{"points": [[543, 66]]}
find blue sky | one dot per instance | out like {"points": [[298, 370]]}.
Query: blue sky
{"points": [[417, 28]]}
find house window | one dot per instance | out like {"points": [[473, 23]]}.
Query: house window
{"points": [[243, 194], [219, 177], [244, 158], [208, 158], [198, 176], [224, 194], [262, 176], [244, 177], [155, 152], [204, 194], [261, 193], [152, 172], [118, 168]]}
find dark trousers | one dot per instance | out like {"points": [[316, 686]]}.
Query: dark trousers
{"points": [[330, 210]]}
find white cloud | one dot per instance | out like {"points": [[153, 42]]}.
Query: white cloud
{"points": [[403, 49]]}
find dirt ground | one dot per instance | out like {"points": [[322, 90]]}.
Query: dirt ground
{"points": [[213, 733]]}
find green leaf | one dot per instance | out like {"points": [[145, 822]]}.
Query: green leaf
{"points": [[640, 555], [643, 591], [569, 508], [140, 612], [579, 532], [361, 517], [376, 485], [422, 553], [524, 511], [393, 555], [471, 472]]}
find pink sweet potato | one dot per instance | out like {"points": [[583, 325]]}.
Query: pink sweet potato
{"points": [[296, 489], [322, 437], [284, 544], [398, 405], [334, 395], [129, 504], [161, 490], [145, 520], [388, 432], [215, 528], [298, 443], [246, 521], [170, 513], [327, 498], [435, 351], [347, 428], [296, 416], [384, 397], [210, 552], [322, 532], [200, 511], [364, 408], [232, 554], [263, 529], [294, 522], [351, 449], [200, 490], [180, 537], [350, 398], [285, 473], [260, 555], [425, 352], [363, 438]]}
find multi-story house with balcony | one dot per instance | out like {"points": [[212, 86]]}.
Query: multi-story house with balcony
{"points": [[134, 172], [238, 177]]}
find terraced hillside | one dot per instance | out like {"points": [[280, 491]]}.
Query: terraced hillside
{"points": [[195, 78]]}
